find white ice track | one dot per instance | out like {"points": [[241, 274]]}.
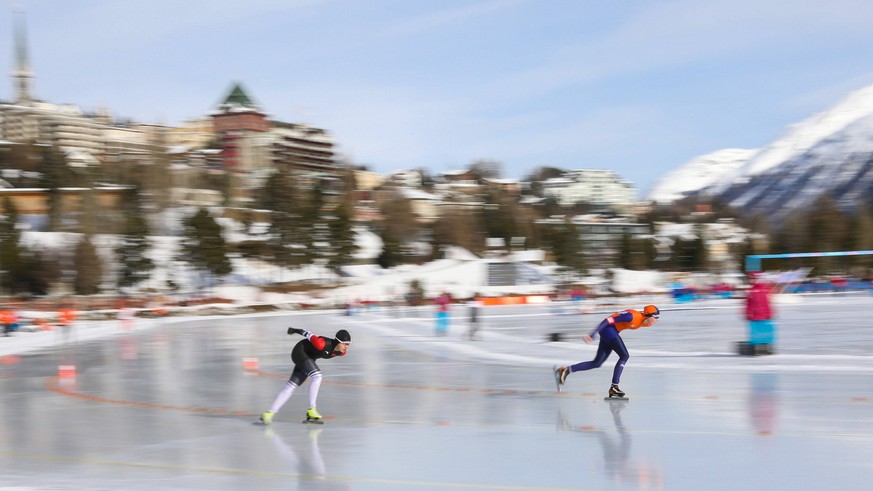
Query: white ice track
{"points": [[169, 406], [815, 333]]}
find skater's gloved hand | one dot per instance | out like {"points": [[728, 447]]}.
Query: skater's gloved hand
{"points": [[306, 334], [294, 330]]}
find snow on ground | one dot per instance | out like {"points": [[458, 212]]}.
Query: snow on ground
{"points": [[461, 273]]}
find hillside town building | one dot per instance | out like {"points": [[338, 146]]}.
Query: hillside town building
{"points": [[595, 187], [236, 137]]}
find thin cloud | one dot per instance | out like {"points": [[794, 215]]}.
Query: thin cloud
{"points": [[419, 84], [438, 19]]}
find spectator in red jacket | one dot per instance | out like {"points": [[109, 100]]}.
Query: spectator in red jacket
{"points": [[759, 313]]}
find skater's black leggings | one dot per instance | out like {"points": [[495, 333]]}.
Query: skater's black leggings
{"points": [[609, 341], [303, 370]]}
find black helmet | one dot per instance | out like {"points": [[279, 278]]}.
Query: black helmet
{"points": [[343, 336]]}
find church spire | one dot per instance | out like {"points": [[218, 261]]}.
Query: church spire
{"points": [[21, 74]]}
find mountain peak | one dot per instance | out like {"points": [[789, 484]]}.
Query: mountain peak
{"points": [[830, 152], [698, 173]]}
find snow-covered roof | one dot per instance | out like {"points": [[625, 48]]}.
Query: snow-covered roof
{"points": [[417, 194], [530, 200], [177, 149], [79, 158], [502, 180]]}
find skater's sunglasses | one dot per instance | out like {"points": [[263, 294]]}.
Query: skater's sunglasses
{"points": [[656, 315]]}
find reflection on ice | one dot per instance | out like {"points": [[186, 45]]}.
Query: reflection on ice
{"points": [[621, 468], [307, 468], [764, 402]]}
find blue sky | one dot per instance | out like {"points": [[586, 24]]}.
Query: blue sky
{"points": [[637, 87]]}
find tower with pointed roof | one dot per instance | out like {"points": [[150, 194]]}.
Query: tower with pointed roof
{"points": [[236, 117], [239, 113], [238, 98]]}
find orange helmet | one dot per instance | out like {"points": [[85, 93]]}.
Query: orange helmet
{"points": [[651, 311]]}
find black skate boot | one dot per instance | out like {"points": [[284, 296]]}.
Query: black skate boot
{"points": [[615, 393]]}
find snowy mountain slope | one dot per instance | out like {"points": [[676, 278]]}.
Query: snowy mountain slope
{"points": [[804, 137], [840, 165], [828, 153], [699, 173]]}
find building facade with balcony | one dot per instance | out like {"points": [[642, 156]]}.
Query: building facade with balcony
{"points": [[596, 187], [601, 238], [86, 138], [251, 142]]}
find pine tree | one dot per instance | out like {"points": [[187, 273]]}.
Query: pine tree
{"points": [[400, 222], [12, 264], [566, 246], [791, 236], [650, 253], [690, 254], [699, 253], [635, 253], [89, 216], [390, 254], [440, 237], [681, 254], [862, 239], [342, 234], [827, 227], [497, 218], [134, 246], [342, 237], [312, 220], [284, 240], [55, 174], [38, 274], [456, 227], [158, 180], [204, 246], [285, 237], [740, 250], [21, 270], [625, 253], [88, 268]]}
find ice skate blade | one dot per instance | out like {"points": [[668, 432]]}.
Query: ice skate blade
{"points": [[613, 398], [313, 421]]}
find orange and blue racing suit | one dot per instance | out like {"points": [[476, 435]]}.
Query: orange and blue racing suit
{"points": [[610, 341]]}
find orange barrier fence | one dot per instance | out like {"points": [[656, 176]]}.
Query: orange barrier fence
{"points": [[514, 300]]}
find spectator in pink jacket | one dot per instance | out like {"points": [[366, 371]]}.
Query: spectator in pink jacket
{"points": [[443, 303], [759, 313]]}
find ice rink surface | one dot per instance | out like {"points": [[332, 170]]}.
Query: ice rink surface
{"points": [[170, 405]]}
